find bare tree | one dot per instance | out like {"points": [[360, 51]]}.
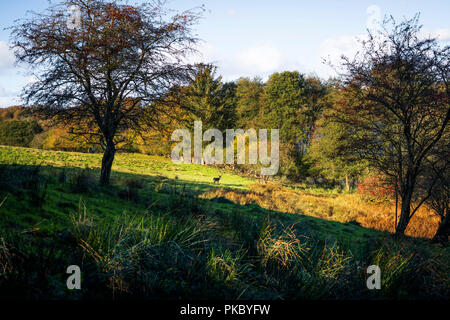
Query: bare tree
{"points": [[108, 73], [398, 105]]}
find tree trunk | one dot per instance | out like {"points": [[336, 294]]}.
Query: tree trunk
{"points": [[107, 161], [443, 230], [405, 212], [396, 203], [347, 185]]}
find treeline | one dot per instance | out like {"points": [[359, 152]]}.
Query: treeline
{"points": [[20, 127], [289, 101], [292, 102]]}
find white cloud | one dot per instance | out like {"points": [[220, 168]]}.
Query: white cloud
{"points": [[260, 59], [231, 12], [5, 93], [373, 17], [206, 53], [333, 49], [9, 96], [440, 34], [443, 34], [6, 57]]}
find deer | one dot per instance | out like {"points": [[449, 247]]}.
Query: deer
{"points": [[217, 179]]}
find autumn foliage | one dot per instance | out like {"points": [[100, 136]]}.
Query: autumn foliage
{"points": [[375, 187]]}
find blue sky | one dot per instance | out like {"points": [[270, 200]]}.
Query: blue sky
{"points": [[259, 37]]}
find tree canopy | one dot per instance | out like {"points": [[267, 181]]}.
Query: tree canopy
{"points": [[106, 72]]}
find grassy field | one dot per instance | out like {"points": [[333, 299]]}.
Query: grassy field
{"points": [[164, 230]]}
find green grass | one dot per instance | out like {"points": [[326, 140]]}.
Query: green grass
{"points": [[150, 235], [126, 164]]}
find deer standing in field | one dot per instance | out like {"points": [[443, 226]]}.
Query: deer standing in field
{"points": [[217, 179]]}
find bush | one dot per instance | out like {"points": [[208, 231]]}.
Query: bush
{"points": [[18, 133], [374, 187]]}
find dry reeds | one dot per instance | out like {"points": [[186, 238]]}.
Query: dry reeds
{"points": [[341, 207]]}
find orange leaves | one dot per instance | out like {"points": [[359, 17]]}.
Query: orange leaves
{"points": [[373, 186], [126, 14]]}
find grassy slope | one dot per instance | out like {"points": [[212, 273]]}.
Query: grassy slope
{"points": [[136, 164], [159, 172], [160, 180], [156, 173]]}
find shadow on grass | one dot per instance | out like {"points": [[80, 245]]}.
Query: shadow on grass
{"points": [[137, 237], [135, 192]]}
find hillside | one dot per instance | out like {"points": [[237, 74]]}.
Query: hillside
{"points": [[159, 221], [310, 201]]}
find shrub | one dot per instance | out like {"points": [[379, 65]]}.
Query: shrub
{"points": [[374, 187], [18, 133]]}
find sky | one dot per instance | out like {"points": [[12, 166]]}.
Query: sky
{"points": [[248, 38]]}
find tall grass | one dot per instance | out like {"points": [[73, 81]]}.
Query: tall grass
{"points": [[227, 266], [281, 250], [168, 256], [105, 240], [171, 244], [335, 207], [121, 248]]}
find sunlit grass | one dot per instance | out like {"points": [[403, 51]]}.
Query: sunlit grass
{"points": [[346, 208], [152, 166], [150, 234]]}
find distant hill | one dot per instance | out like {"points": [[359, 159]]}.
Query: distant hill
{"points": [[18, 127]]}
